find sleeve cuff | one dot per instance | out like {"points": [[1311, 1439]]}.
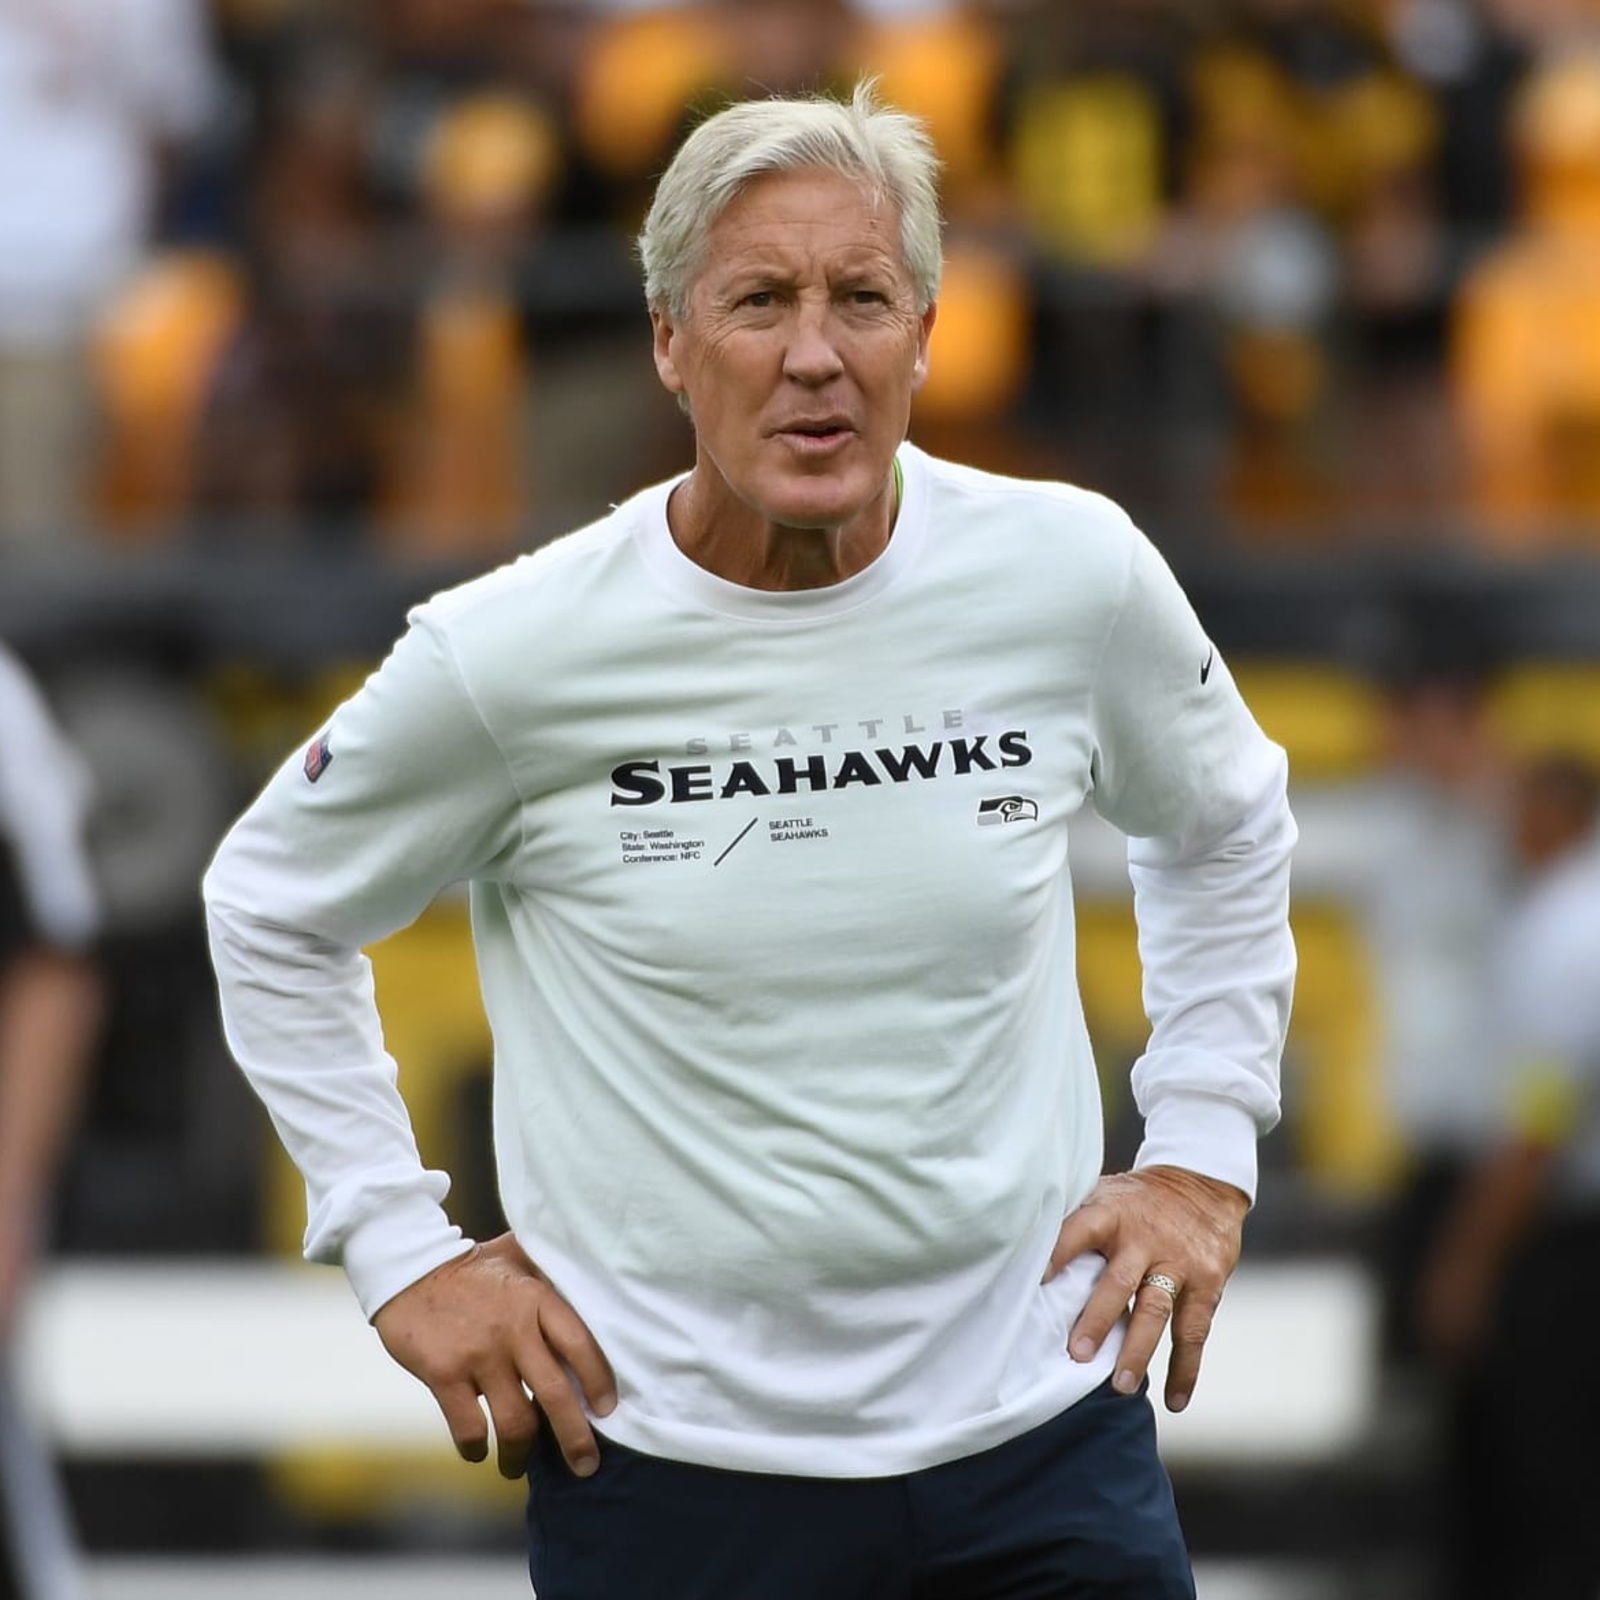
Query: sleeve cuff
{"points": [[1204, 1134], [391, 1249]]}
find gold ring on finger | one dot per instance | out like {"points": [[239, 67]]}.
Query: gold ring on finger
{"points": [[1160, 1280]]}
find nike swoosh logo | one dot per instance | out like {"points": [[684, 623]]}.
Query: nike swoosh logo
{"points": [[1205, 670]]}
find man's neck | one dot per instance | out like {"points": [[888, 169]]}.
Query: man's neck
{"points": [[735, 542]]}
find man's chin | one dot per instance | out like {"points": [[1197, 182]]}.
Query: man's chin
{"points": [[817, 504], [809, 521]]}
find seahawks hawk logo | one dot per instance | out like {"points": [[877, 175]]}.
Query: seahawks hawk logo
{"points": [[1007, 808]]}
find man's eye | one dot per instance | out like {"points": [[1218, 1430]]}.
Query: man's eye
{"points": [[866, 297], [760, 299]]}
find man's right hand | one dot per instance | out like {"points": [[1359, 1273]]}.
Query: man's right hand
{"points": [[488, 1324]]}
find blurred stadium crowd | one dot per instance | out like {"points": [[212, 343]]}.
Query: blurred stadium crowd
{"points": [[306, 305], [1270, 265]]}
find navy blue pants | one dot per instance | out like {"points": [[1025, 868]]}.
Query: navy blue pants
{"points": [[1078, 1509]]}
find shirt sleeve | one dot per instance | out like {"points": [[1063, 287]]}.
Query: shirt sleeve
{"points": [[45, 798], [1546, 1006], [403, 794], [1183, 769]]}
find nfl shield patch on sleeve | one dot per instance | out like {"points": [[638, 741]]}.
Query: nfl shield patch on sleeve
{"points": [[318, 758]]}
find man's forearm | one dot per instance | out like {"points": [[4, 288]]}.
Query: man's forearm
{"points": [[1498, 1204], [1461, 1285], [50, 1010]]}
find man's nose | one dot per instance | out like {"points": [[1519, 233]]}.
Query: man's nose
{"points": [[812, 354]]}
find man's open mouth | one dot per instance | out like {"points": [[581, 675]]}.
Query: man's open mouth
{"points": [[817, 430]]}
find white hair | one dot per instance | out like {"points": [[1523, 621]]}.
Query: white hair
{"points": [[887, 151]]}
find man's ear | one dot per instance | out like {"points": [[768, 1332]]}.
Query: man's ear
{"points": [[919, 370], [664, 330]]}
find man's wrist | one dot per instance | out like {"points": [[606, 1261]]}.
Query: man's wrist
{"points": [[391, 1249], [1218, 1191], [1205, 1135]]}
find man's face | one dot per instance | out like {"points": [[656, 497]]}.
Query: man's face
{"points": [[801, 349]]}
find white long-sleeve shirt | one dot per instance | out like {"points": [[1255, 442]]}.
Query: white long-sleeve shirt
{"points": [[775, 935]]}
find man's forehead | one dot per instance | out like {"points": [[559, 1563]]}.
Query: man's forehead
{"points": [[780, 234], [778, 253], [807, 196]]}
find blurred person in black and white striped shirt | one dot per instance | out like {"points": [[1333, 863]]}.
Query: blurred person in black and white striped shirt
{"points": [[50, 987]]}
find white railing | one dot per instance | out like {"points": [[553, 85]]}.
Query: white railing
{"points": [[148, 1360]]}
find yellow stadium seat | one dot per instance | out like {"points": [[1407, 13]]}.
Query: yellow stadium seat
{"points": [[1329, 720], [489, 154], [1344, 1137], [1545, 708], [978, 355], [155, 354], [261, 716], [458, 479], [946, 70], [1086, 159], [1526, 372], [1525, 351], [636, 82]]}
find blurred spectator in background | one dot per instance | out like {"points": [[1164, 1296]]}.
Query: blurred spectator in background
{"points": [[1429, 872], [300, 400], [1252, 270], [50, 1004], [1306, 238], [93, 94], [1087, 121], [1512, 1297], [1419, 850], [1470, 57], [49, 986], [377, 381]]}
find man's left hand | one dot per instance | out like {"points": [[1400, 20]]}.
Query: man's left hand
{"points": [[1166, 1221]]}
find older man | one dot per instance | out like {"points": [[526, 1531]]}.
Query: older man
{"points": [[762, 785]]}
